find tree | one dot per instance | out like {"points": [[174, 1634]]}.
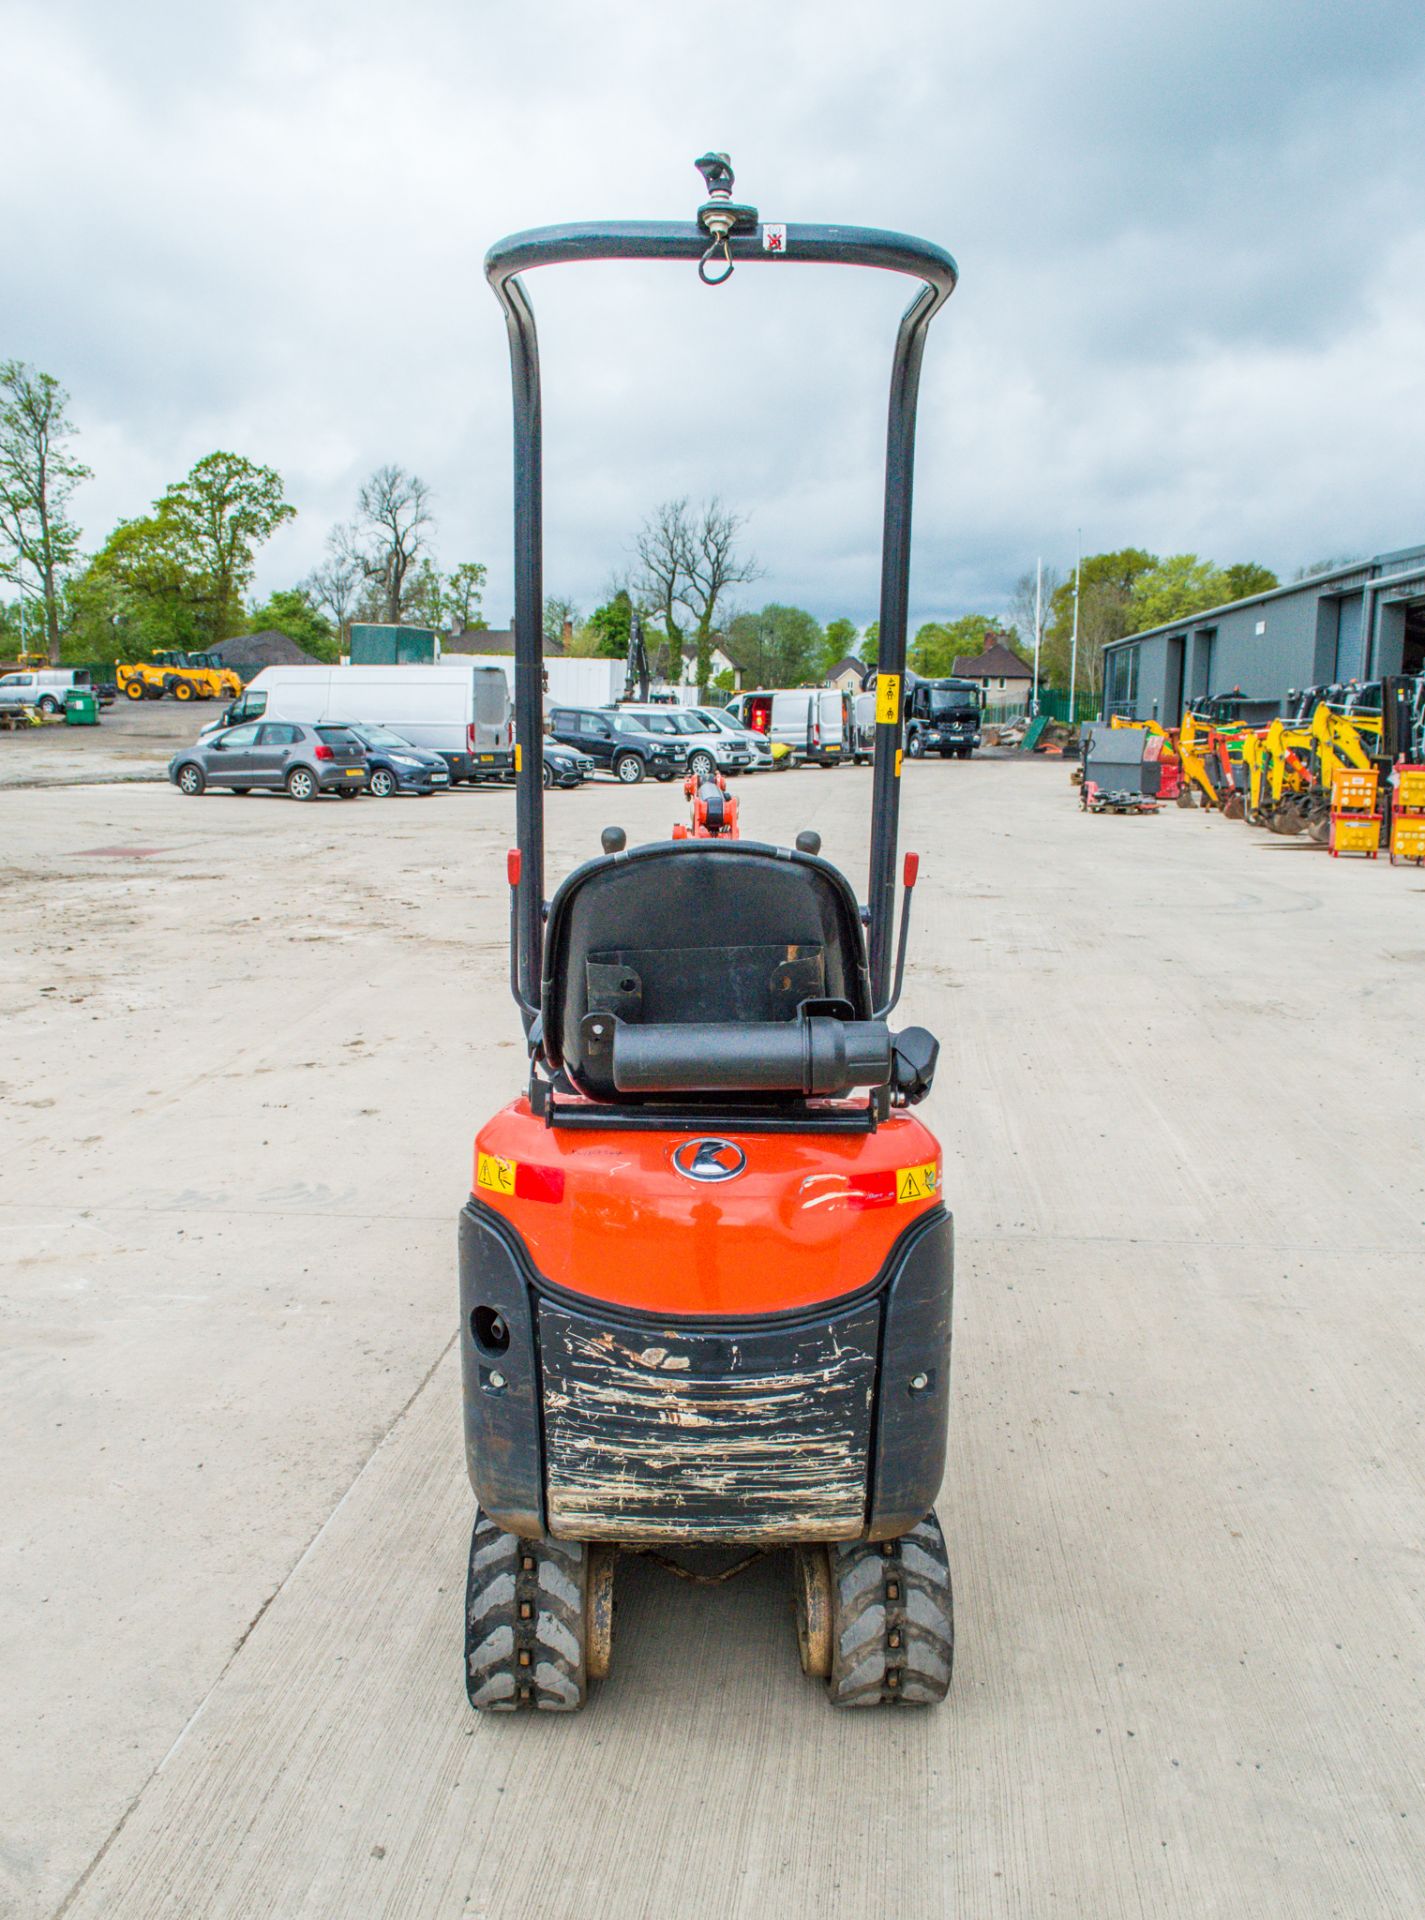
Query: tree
{"points": [[292, 610], [778, 647], [839, 640], [464, 590], [1314, 568], [1105, 613], [689, 560], [939, 643], [1034, 593], [137, 594], [609, 625], [215, 519], [871, 643], [558, 611], [1176, 586], [39, 543], [662, 545], [1245, 578], [390, 532], [334, 586]]}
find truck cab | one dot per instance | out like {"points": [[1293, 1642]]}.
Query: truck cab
{"points": [[941, 716]]}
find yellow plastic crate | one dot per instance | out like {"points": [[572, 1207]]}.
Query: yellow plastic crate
{"points": [[1410, 788], [1353, 791], [1407, 837], [1355, 833]]}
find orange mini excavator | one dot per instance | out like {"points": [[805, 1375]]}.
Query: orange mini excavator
{"points": [[705, 1267], [712, 810]]}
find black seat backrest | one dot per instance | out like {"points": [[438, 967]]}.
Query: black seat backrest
{"points": [[696, 931]]}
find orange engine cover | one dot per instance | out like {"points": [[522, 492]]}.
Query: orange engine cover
{"points": [[807, 1217]]}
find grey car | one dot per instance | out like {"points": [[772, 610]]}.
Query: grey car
{"points": [[274, 756]]}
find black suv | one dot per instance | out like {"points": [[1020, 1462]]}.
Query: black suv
{"points": [[619, 743]]}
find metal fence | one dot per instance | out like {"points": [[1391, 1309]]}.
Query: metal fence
{"points": [[1053, 705]]}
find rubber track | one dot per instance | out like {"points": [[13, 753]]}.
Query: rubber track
{"points": [[893, 1621], [524, 1622]]}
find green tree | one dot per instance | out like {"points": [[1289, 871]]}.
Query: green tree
{"points": [[778, 647], [610, 625], [138, 593], [1176, 586], [293, 611], [216, 519], [871, 643], [1105, 613], [1246, 578], [838, 641], [464, 590], [939, 643], [39, 543]]}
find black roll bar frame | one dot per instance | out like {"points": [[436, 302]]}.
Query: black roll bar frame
{"points": [[676, 240]]}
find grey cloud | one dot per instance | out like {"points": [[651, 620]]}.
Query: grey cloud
{"points": [[1192, 248]]}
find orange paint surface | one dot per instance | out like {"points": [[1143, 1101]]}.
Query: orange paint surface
{"points": [[605, 1214]]}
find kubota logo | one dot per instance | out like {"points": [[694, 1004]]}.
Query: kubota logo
{"points": [[709, 1160]]}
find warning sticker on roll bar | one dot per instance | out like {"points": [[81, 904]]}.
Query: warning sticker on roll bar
{"points": [[774, 238], [888, 699]]}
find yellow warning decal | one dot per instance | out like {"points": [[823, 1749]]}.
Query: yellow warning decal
{"points": [[495, 1175], [917, 1183], [898, 763], [517, 756], [888, 699]]}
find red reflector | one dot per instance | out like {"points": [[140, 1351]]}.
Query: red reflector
{"points": [[470, 737], [513, 862], [871, 1189], [547, 1183], [323, 751]]}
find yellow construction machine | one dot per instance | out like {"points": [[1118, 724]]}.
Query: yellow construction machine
{"points": [[184, 676]]}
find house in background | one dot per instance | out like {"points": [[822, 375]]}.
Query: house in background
{"points": [[1005, 679], [849, 674]]}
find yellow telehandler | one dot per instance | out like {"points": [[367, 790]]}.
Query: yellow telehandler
{"points": [[184, 676]]}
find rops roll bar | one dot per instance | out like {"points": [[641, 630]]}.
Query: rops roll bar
{"points": [[723, 237]]}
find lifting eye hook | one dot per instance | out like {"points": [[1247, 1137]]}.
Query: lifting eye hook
{"points": [[720, 218], [718, 249]]}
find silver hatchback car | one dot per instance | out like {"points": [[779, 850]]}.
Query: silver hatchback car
{"points": [[275, 756]]}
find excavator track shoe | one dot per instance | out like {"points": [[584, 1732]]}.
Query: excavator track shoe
{"points": [[528, 1621], [892, 1621]]}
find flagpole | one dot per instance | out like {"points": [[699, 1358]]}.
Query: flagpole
{"points": [[1038, 625], [1074, 649]]}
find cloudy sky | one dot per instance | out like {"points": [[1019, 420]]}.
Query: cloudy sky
{"points": [[1192, 241]]}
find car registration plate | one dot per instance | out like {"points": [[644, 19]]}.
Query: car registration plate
{"points": [[486, 758], [354, 773], [437, 778]]}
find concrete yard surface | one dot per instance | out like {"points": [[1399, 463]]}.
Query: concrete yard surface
{"points": [[247, 1045]]}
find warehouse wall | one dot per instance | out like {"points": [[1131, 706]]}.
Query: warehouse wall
{"points": [[1312, 633]]}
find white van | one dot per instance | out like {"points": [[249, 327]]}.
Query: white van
{"points": [[810, 720], [458, 708]]}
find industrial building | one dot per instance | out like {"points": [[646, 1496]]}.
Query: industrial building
{"points": [[1357, 622]]}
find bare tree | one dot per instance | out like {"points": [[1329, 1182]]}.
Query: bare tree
{"points": [[334, 585], [1023, 608], [663, 544], [689, 561], [38, 541], [390, 532]]}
